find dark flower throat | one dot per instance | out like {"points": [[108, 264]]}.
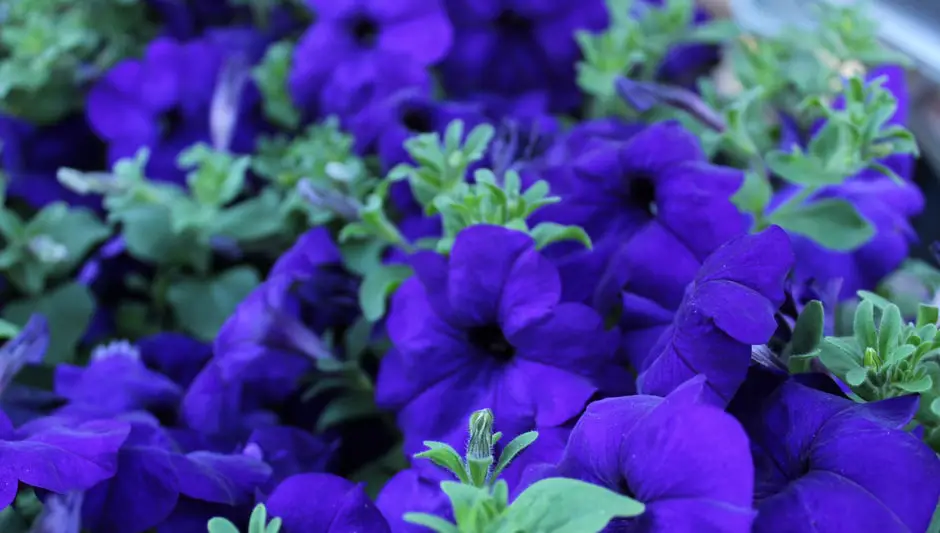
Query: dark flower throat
{"points": [[492, 340]]}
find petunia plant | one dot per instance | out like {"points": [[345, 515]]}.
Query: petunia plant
{"points": [[480, 499], [52, 48], [894, 358]]}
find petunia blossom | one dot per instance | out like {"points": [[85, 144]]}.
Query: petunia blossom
{"points": [[825, 463], [163, 101], [512, 47], [729, 307], [634, 198], [485, 328], [324, 503], [363, 42], [60, 457], [686, 460]]}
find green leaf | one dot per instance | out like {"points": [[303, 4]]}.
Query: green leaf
{"points": [[900, 354], [839, 355], [78, 230], [921, 384], [833, 223], [856, 376], [927, 314], [880, 302], [514, 448], [202, 305], [561, 505], [222, 525], [271, 78], [801, 169], [432, 522], [345, 409], [754, 195], [445, 456], [252, 220], [713, 32], [68, 309], [149, 235], [808, 331], [377, 286], [548, 233], [8, 330], [889, 330], [863, 326], [472, 505]]}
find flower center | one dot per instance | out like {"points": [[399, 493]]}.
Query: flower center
{"points": [[512, 22], [491, 339], [417, 119], [641, 194], [365, 30]]}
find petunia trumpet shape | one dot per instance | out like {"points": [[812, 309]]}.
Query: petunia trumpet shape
{"points": [[485, 329], [827, 464]]}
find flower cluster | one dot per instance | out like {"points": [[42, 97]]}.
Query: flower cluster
{"points": [[287, 266]]}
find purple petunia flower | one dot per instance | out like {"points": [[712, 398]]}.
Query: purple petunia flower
{"points": [[165, 100], [32, 155], [828, 464], [686, 460], [729, 307], [359, 45], [116, 381], [323, 503], [486, 329], [273, 338], [60, 457], [153, 477], [415, 490], [513, 47], [635, 198], [387, 123]]}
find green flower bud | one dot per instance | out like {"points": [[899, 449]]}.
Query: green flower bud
{"points": [[481, 435], [872, 359]]}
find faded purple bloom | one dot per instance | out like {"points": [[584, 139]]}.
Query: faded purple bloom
{"points": [[28, 347], [163, 101], [272, 340], [687, 461]]}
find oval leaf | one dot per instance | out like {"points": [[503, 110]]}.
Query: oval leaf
{"points": [[561, 505], [833, 223]]}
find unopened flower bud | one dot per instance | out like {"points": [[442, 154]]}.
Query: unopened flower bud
{"points": [[872, 359], [481, 435]]}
